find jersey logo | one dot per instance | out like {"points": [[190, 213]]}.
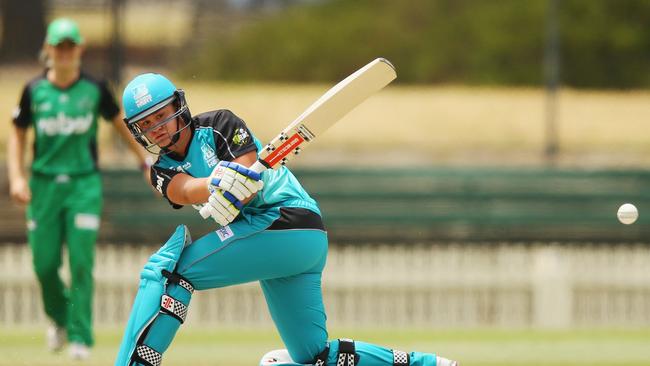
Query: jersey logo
{"points": [[159, 183], [184, 168], [44, 107], [65, 125], [209, 156], [141, 95], [224, 233], [84, 103], [241, 137]]}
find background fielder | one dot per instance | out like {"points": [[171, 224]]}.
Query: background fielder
{"points": [[64, 194]]}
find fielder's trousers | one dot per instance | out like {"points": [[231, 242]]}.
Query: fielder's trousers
{"points": [[65, 209]]}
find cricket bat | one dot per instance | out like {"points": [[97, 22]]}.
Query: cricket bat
{"points": [[323, 114]]}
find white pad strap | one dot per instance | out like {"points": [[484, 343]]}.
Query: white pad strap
{"points": [[347, 353], [345, 360], [148, 355], [186, 285], [400, 358]]}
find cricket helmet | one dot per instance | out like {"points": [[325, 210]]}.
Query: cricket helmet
{"points": [[146, 94]]}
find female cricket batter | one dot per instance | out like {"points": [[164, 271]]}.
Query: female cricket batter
{"points": [[271, 232], [64, 194]]}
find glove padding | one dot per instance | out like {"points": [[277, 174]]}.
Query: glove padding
{"points": [[222, 206], [235, 178]]}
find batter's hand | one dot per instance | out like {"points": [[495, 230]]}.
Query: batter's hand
{"points": [[222, 206], [235, 178]]}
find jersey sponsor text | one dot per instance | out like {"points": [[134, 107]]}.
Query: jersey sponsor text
{"points": [[65, 125], [159, 183]]}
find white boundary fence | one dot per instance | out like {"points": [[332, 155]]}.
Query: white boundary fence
{"points": [[423, 286]]}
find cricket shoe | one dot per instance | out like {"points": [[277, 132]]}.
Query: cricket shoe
{"points": [[79, 351], [55, 337], [441, 361]]}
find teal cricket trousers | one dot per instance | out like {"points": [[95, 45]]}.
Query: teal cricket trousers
{"points": [[288, 264]]}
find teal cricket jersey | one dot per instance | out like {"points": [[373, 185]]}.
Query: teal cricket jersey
{"points": [[221, 135]]}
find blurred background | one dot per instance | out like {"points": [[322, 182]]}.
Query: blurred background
{"points": [[513, 133]]}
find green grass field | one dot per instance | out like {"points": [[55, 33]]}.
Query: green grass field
{"points": [[482, 347]]}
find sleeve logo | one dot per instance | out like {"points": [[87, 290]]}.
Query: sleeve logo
{"points": [[209, 155], [241, 137]]}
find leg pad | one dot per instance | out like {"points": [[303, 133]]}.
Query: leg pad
{"points": [[152, 299]]}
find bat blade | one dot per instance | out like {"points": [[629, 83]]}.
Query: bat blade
{"points": [[327, 110]]}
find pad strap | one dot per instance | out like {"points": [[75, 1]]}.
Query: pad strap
{"points": [[347, 355], [173, 307], [321, 359], [176, 278], [400, 358], [147, 356]]}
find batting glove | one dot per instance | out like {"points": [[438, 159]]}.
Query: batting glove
{"points": [[235, 178], [222, 206]]}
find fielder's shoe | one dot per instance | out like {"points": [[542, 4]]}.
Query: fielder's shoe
{"points": [[55, 338], [79, 351], [441, 361]]}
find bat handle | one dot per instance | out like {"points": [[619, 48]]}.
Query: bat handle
{"points": [[257, 167]]}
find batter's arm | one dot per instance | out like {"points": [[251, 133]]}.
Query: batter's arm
{"points": [[184, 189]]}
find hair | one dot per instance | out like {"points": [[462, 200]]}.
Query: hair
{"points": [[43, 57]]}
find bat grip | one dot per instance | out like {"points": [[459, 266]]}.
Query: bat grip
{"points": [[257, 167]]}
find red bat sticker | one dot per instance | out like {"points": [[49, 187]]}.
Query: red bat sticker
{"points": [[285, 149]]}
